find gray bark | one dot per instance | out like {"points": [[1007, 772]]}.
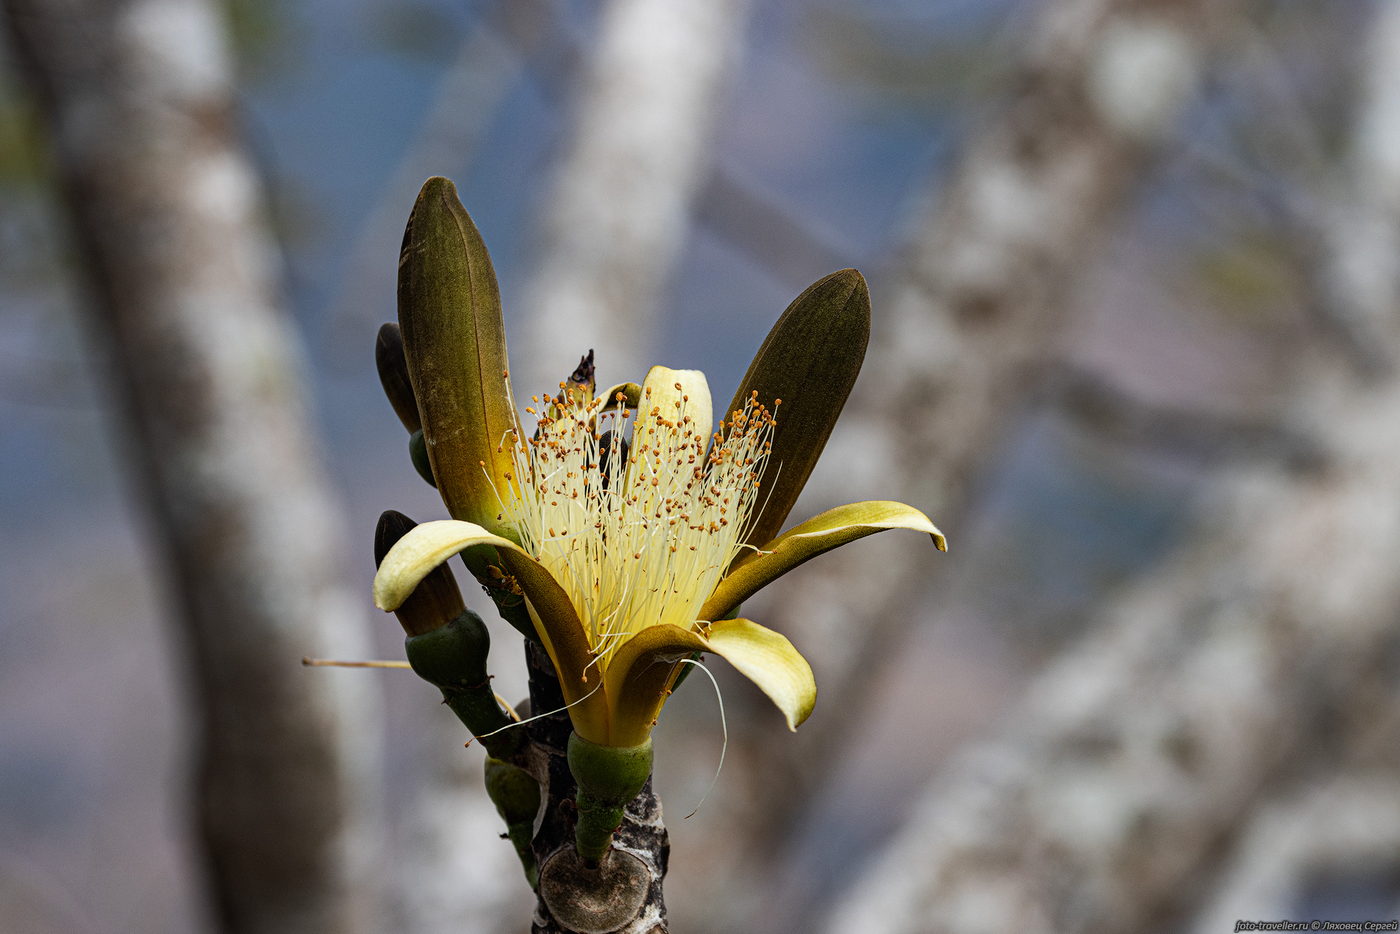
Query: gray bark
{"points": [[959, 340], [1330, 827], [1131, 759], [1239, 701], [206, 374]]}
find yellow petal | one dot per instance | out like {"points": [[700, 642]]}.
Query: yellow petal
{"points": [[809, 360], [641, 671], [428, 545], [455, 347], [669, 396], [803, 542]]}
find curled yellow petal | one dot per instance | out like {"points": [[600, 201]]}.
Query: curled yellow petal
{"points": [[804, 542], [641, 671], [420, 550], [668, 397], [428, 545]]}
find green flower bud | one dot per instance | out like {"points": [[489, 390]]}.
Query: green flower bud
{"points": [[517, 798], [452, 656], [418, 453], [393, 376], [436, 601]]}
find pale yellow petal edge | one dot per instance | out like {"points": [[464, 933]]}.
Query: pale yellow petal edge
{"points": [[430, 544], [639, 676], [805, 541]]}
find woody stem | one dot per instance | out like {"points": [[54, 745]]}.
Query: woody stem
{"points": [[623, 892]]}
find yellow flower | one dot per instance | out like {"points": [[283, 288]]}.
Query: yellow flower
{"points": [[631, 557]]}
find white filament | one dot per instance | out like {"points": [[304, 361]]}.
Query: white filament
{"points": [[645, 543]]}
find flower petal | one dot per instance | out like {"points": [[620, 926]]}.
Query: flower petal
{"points": [[803, 542], [667, 395], [809, 360], [642, 670], [428, 545], [455, 347], [770, 661]]}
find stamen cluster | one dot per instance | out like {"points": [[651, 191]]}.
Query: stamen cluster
{"points": [[638, 534]]}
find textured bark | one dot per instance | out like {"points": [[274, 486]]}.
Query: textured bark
{"points": [[641, 840], [618, 210], [205, 371], [1354, 272], [1332, 827]]}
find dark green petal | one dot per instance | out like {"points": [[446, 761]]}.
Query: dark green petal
{"points": [[455, 347], [393, 376], [809, 361]]}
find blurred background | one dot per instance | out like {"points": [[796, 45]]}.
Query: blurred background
{"points": [[1135, 270]]}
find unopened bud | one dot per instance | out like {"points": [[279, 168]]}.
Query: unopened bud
{"points": [[393, 376], [436, 601]]}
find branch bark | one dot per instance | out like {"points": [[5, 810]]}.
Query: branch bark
{"points": [[1139, 756], [1334, 827], [962, 335], [623, 895], [981, 293], [207, 377]]}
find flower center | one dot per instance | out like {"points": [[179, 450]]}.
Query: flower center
{"points": [[638, 534]]}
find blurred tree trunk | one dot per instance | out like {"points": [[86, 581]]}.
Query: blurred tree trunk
{"points": [[973, 314], [207, 375], [1238, 706], [618, 208], [982, 292], [454, 874], [503, 42], [1137, 755]]}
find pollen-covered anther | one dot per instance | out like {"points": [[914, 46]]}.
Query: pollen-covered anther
{"points": [[649, 546]]}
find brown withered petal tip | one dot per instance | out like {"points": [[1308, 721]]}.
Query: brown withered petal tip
{"points": [[583, 373]]}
